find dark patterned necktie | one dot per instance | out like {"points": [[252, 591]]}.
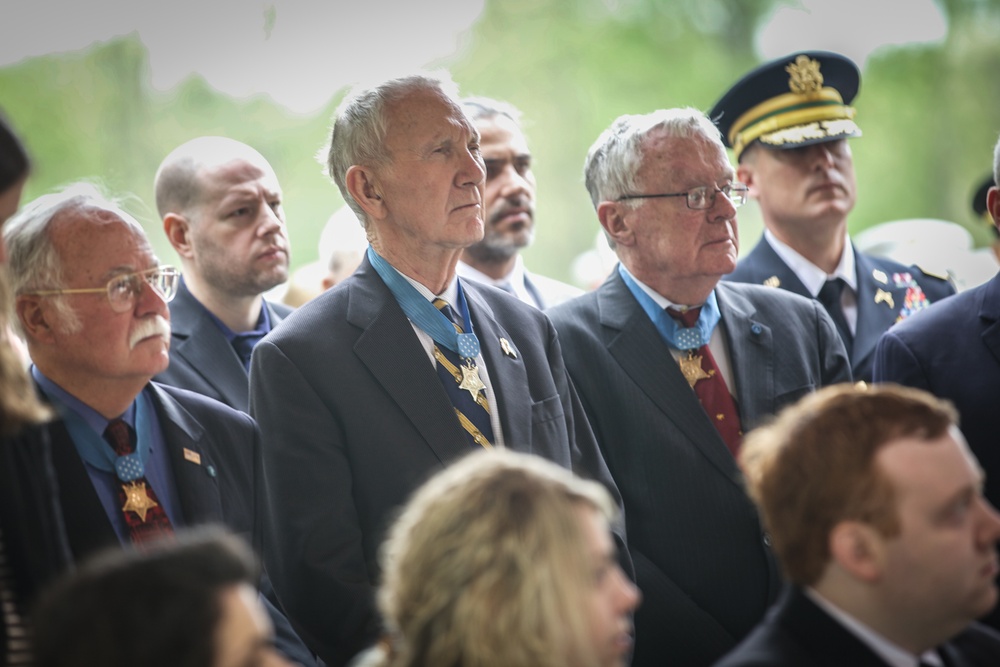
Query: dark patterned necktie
{"points": [[473, 413], [829, 295], [144, 516], [710, 387]]}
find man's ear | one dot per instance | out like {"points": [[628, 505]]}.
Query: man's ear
{"points": [[360, 183], [612, 217], [858, 549], [744, 174], [37, 321], [178, 229]]}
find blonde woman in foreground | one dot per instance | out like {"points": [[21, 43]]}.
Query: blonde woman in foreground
{"points": [[504, 559]]}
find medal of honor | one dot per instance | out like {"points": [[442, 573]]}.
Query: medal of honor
{"points": [[137, 500], [691, 368], [470, 379]]}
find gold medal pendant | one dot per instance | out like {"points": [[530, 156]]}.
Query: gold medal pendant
{"points": [[691, 368], [137, 500], [470, 379]]}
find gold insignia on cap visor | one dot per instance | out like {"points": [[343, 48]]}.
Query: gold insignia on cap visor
{"points": [[809, 111]]}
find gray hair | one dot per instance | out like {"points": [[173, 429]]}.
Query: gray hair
{"points": [[361, 125], [612, 162], [32, 260]]}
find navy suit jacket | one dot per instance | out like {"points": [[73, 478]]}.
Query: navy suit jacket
{"points": [[218, 489], [798, 633], [701, 557], [952, 350], [763, 265], [201, 359], [354, 418]]}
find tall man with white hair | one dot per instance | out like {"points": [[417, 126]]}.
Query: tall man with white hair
{"points": [[673, 366], [374, 385], [222, 211], [508, 209], [134, 459]]}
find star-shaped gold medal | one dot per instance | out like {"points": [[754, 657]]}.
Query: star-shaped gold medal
{"points": [[691, 368], [137, 500], [470, 380]]}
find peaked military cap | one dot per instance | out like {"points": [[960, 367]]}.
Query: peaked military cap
{"points": [[798, 100]]}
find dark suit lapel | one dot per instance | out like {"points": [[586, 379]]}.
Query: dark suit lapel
{"points": [[87, 525], [989, 313], [645, 357], [751, 355], [825, 639], [876, 312], [200, 343], [389, 348], [507, 374], [768, 266], [197, 482]]}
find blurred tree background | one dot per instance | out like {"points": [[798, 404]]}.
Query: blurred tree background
{"points": [[930, 110]]}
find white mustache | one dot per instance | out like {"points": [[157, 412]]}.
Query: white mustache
{"points": [[155, 325]]}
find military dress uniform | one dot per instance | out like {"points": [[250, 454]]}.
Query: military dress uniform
{"points": [[797, 101]]}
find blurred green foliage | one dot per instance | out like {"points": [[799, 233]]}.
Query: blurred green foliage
{"points": [[930, 112]]}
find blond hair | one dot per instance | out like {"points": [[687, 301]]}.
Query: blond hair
{"points": [[487, 566]]}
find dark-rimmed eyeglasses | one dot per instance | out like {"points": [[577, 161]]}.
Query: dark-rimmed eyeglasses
{"points": [[123, 290], [703, 197]]}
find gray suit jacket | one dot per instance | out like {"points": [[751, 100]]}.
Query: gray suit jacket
{"points": [[701, 557], [201, 359], [354, 418]]}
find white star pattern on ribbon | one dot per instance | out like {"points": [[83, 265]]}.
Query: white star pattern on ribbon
{"points": [[688, 339], [129, 467], [468, 346]]}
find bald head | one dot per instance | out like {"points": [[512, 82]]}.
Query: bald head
{"points": [[221, 206], [177, 183]]}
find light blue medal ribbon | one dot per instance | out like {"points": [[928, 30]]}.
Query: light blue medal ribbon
{"points": [[684, 338], [96, 451], [672, 331], [425, 315]]}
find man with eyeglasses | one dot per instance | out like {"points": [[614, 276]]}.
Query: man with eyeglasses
{"points": [[673, 366], [222, 211], [788, 122], [134, 460], [509, 209]]}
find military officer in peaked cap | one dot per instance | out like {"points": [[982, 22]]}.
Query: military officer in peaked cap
{"points": [[788, 122]]}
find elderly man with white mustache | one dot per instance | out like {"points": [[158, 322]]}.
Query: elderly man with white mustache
{"points": [[134, 460]]}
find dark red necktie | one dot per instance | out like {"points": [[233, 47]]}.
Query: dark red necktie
{"points": [[144, 516], [709, 385]]}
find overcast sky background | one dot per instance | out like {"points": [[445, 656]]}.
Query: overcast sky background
{"points": [[301, 52]]}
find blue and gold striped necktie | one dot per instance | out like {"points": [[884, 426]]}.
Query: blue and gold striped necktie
{"points": [[471, 406]]}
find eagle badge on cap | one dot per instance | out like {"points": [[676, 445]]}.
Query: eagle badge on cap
{"points": [[805, 76]]}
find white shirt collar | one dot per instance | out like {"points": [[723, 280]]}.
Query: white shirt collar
{"points": [[892, 654], [811, 275], [661, 301], [449, 294]]}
